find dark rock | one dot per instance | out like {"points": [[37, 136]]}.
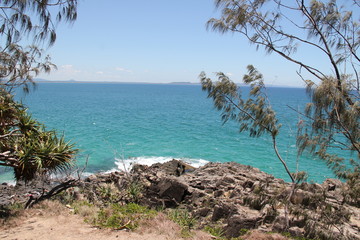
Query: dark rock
{"points": [[172, 191], [237, 223], [202, 212], [279, 224], [298, 222], [91, 178], [332, 184], [138, 168], [298, 197], [173, 167], [296, 231], [221, 211], [218, 193], [248, 184], [198, 185], [225, 181]]}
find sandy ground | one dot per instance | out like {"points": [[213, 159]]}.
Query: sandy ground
{"points": [[53, 221], [60, 224]]}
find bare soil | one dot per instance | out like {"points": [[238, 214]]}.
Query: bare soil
{"points": [[52, 220]]}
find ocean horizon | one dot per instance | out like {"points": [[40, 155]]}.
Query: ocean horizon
{"points": [[117, 125]]}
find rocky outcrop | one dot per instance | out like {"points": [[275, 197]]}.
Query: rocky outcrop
{"points": [[21, 192], [238, 197], [234, 197]]}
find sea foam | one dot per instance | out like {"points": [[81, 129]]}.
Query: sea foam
{"points": [[127, 164]]}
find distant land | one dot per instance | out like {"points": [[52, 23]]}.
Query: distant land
{"points": [[40, 80]]}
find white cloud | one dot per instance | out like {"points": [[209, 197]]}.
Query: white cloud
{"points": [[121, 69], [68, 69], [67, 66], [99, 72]]}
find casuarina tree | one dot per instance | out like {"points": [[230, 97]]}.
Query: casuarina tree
{"points": [[330, 123]]}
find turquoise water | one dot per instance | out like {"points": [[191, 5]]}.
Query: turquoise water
{"points": [[153, 122]]}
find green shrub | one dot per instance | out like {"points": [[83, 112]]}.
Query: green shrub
{"points": [[184, 219], [123, 216], [215, 231]]}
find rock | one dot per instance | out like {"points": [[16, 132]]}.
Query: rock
{"points": [[171, 191], [332, 184], [91, 178], [224, 182], [233, 195], [218, 193], [220, 211], [173, 167], [279, 224], [298, 196], [138, 168], [202, 212], [237, 223], [248, 184], [296, 231]]}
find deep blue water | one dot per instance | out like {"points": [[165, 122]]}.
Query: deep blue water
{"points": [[154, 122]]}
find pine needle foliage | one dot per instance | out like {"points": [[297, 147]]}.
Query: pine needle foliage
{"points": [[32, 22], [330, 30], [332, 125], [253, 114]]}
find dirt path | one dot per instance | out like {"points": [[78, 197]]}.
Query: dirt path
{"points": [[55, 222], [63, 226]]}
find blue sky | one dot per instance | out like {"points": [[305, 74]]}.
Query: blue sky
{"points": [[156, 41]]}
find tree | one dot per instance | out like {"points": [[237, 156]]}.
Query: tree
{"points": [[254, 114], [331, 121], [25, 145], [33, 21]]}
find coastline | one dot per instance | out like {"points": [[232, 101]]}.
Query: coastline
{"points": [[229, 195]]}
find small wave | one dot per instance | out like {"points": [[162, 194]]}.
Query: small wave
{"points": [[126, 164], [130, 144]]}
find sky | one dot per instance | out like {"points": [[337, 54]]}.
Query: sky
{"points": [[157, 41]]}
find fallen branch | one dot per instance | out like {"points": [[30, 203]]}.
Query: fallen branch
{"points": [[53, 192]]}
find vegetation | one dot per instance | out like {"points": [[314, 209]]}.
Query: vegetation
{"points": [[121, 216], [216, 231], [184, 219], [32, 21], [331, 121], [25, 145], [254, 115]]}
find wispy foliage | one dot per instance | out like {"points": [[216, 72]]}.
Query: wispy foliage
{"points": [[24, 26], [331, 31], [253, 114], [332, 125]]}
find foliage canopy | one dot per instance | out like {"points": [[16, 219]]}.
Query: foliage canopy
{"points": [[331, 30], [32, 21], [25, 145]]}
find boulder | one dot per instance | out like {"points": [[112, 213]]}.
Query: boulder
{"points": [[173, 167], [221, 211], [171, 191], [237, 223]]}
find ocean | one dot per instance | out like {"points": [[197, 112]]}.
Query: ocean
{"points": [[116, 125]]}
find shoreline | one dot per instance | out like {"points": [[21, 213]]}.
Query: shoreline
{"points": [[230, 195]]}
